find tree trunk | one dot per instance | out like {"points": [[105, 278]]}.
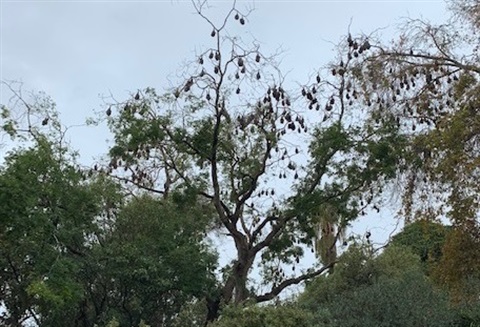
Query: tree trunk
{"points": [[235, 288], [213, 309]]}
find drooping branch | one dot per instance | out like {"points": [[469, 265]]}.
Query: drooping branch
{"points": [[137, 184], [292, 281]]}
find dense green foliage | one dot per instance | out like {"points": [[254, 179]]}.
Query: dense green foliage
{"points": [[47, 222], [287, 315], [388, 290], [71, 251], [155, 261], [424, 238]]}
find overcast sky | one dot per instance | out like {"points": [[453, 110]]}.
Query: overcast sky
{"points": [[77, 51]]}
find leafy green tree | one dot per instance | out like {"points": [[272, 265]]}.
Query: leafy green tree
{"points": [[74, 249], [287, 315], [155, 260], [388, 290], [425, 238], [48, 227], [227, 134]]}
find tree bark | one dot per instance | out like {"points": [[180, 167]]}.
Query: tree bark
{"points": [[235, 288]]}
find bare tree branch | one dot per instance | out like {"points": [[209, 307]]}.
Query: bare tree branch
{"points": [[293, 281]]}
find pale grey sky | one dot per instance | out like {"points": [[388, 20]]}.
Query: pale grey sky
{"points": [[78, 50]]}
